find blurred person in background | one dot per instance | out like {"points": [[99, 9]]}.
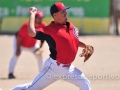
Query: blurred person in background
{"points": [[23, 42]]}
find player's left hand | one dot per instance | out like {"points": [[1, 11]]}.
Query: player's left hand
{"points": [[38, 51], [87, 52]]}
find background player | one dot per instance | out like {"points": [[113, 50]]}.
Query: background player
{"points": [[23, 41]]}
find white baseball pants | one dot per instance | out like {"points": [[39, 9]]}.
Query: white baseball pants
{"points": [[14, 58], [51, 72]]}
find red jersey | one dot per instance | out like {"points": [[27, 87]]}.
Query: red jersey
{"points": [[62, 40], [26, 40]]}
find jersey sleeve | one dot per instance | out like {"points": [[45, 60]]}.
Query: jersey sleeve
{"points": [[40, 35], [75, 31]]}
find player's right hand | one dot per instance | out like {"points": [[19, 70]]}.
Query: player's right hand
{"points": [[38, 51], [18, 52], [32, 10]]}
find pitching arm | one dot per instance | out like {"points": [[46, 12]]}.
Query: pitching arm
{"points": [[31, 27]]}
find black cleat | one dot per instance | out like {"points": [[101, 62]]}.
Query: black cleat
{"points": [[11, 76]]}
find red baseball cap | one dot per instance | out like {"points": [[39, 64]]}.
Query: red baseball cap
{"points": [[39, 14], [57, 7]]}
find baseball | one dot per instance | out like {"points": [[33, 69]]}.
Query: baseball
{"points": [[34, 9]]}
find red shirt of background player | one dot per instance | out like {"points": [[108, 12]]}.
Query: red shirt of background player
{"points": [[28, 41]]}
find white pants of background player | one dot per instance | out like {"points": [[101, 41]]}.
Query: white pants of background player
{"points": [[14, 58], [51, 72]]}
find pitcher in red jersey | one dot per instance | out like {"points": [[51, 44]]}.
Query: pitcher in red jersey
{"points": [[63, 42]]}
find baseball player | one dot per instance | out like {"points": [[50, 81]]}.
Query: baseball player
{"points": [[62, 38], [23, 41]]}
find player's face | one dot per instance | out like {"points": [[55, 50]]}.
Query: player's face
{"points": [[38, 20], [62, 16]]}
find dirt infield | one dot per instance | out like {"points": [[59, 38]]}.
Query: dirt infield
{"points": [[102, 69]]}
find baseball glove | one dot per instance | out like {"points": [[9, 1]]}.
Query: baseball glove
{"points": [[87, 52], [38, 52]]}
